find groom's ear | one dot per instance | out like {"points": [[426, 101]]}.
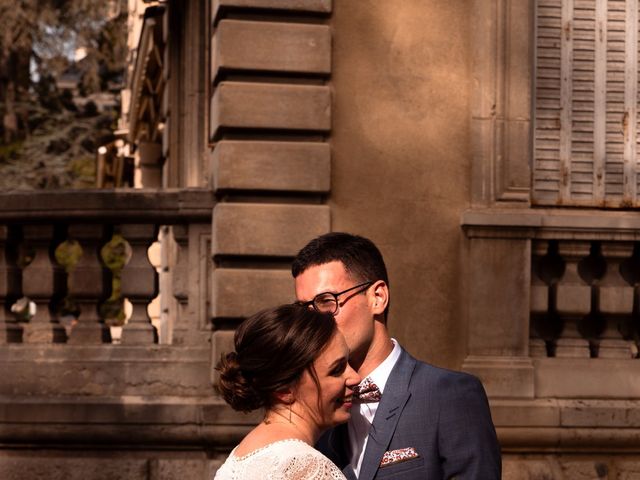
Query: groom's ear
{"points": [[379, 297]]}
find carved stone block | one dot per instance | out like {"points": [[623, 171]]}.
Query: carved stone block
{"points": [[270, 46], [238, 293], [270, 106], [294, 166], [263, 229]]}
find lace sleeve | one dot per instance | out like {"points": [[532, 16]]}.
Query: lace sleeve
{"points": [[310, 467]]}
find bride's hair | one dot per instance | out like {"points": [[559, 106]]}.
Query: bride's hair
{"points": [[273, 348]]}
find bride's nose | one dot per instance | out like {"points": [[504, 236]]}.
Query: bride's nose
{"points": [[352, 377]]}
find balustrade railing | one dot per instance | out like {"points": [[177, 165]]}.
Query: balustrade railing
{"points": [[585, 299], [68, 261]]}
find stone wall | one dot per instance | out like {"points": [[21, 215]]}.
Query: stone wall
{"points": [[401, 156], [571, 467], [107, 464]]}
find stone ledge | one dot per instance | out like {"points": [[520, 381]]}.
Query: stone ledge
{"points": [[105, 370], [608, 378], [607, 425], [561, 440], [61, 352], [525, 413], [568, 413], [121, 205], [123, 420], [551, 223], [77, 462]]}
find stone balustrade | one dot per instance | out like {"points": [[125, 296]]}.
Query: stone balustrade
{"points": [[584, 299], [69, 259]]}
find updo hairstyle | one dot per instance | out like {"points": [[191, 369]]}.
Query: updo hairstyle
{"points": [[273, 348]]}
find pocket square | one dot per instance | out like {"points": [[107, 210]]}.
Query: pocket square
{"points": [[396, 456]]}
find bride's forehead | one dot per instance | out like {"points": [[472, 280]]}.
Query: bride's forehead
{"points": [[336, 349]]}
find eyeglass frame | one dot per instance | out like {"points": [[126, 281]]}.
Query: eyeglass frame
{"points": [[312, 302]]}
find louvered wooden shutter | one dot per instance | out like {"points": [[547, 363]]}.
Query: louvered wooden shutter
{"points": [[586, 103]]}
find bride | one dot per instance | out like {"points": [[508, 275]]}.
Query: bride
{"points": [[293, 362]]}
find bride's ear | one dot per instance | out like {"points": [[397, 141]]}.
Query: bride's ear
{"points": [[285, 396]]}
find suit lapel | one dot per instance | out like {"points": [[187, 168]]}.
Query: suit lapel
{"points": [[349, 473], [393, 400]]}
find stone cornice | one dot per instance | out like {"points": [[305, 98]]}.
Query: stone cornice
{"points": [[551, 223], [92, 205]]}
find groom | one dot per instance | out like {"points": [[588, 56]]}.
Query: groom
{"points": [[411, 420]]}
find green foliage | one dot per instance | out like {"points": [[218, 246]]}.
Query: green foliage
{"points": [[39, 144], [60, 151], [49, 30], [10, 151], [83, 171]]}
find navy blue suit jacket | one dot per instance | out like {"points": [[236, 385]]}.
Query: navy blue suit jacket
{"points": [[444, 415]]}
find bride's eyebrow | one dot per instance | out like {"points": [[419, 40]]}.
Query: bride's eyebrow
{"points": [[338, 362]]}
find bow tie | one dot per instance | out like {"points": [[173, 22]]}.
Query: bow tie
{"points": [[367, 391]]}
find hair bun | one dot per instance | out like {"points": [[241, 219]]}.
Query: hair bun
{"points": [[234, 387]]}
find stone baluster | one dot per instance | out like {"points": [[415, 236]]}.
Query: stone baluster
{"points": [[139, 284], [630, 324], [573, 300], [39, 284], [539, 304], [167, 278], [86, 285], [615, 302], [178, 253], [10, 331], [592, 269], [548, 270]]}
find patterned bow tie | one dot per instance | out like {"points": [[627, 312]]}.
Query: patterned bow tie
{"points": [[367, 391]]}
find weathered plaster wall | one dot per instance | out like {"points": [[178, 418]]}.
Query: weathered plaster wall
{"points": [[401, 155]]}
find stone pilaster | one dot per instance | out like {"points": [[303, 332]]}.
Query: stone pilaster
{"points": [[269, 118]]}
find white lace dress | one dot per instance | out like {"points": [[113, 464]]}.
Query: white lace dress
{"points": [[283, 460]]}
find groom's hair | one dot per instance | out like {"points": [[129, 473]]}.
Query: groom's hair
{"points": [[361, 258]]}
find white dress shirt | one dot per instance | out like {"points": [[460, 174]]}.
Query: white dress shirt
{"points": [[362, 414]]}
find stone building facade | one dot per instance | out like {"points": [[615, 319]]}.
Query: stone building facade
{"points": [[489, 147]]}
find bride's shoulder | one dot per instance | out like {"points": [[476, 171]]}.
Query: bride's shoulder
{"points": [[288, 459], [300, 460]]}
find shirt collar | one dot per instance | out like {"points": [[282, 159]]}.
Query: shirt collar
{"points": [[381, 373]]}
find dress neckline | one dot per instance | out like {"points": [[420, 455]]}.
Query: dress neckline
{"points": [[264, 447]]}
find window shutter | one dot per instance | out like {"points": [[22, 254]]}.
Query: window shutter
{"points": [[586, 103]]}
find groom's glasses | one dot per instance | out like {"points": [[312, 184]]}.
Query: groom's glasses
{"points": [[327, 302]]}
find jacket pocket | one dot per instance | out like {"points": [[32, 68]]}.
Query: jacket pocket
{"points": [[402, 469]]}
